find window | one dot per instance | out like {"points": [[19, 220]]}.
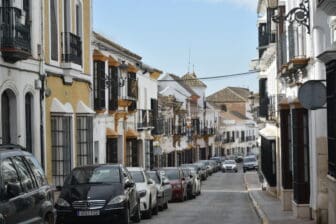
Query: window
{"points": [[99, 85], [27, 181], [5, 118], [53, 30], [113, 88], [11, 183], [29, 122], [79, 19], [61, 142], [84, 140], [37, 170], [67, 15], [138, 176], [112, 150], [331, 117]]}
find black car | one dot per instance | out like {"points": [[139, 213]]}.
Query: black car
{"points": [[25, 196], [98, 194]]}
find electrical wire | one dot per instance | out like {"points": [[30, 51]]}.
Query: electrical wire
{"points": [[213, 77]]}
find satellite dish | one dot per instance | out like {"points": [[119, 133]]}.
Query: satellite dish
{"points": [[313, 95]]}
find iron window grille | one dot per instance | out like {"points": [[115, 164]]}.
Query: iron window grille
{"points": [[331, 117], [112, 150], [84, 140], [99, 85], [61, 142]]}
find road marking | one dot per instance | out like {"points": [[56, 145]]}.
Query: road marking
{"points": [[224, 191]]}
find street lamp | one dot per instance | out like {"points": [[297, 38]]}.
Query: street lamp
{"points": [[298, 14], [123, 73]]}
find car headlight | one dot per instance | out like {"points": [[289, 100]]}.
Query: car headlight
{"points": [[117, 200], [142, 193], [62, 203]]}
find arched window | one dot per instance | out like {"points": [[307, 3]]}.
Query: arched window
{"points": [[5, 117], [8, 117], [29, 121]]}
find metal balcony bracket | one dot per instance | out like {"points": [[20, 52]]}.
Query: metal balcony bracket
{"points": [[298, 14]]}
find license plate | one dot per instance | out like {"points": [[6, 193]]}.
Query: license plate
{"points": [[88, 213]]}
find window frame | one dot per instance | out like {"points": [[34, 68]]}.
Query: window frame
{"points": [[88, 133], [67, 147]]}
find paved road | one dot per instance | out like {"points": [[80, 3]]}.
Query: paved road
{"points": [[224, 200]]}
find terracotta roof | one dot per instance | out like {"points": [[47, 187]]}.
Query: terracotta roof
{"points": [[191, 80], [184, 85], [229, 94], [233, 115]]}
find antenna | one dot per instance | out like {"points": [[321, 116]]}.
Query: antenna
{"points": [[189, 60]]}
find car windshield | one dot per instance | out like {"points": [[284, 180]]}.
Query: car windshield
{"points": [[229, 162], [250, 159], [138, 176], [154, 176], [172, 174], [95, 175]]}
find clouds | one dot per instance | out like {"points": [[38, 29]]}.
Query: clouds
{"points": [[249, 4]]}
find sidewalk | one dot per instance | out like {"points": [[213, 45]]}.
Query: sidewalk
{"points": [[268, 207]]}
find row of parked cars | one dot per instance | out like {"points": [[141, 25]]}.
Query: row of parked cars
{"points": [[91, 194]]}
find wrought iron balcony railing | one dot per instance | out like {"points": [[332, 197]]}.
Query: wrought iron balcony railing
{"points": [[15, 35], [71, 48]]}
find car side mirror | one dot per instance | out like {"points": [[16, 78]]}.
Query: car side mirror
{"points": [[165, 182], [183, 179], [150, 181], [191, 176], [58, 188], [129, 184], [13, 190]]}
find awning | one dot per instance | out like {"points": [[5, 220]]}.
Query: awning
{"points": [[132, 68], [99, 55], [130, 133], [269, 132], [111, 133], [149, 137], [112, 61]]}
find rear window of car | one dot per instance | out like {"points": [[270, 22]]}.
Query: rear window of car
{"points": [[249, 159], [95, 175], [137, 176], [229, 162], [172, 174]]}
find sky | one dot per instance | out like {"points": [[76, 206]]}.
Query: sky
{"points": [[219, 35]]}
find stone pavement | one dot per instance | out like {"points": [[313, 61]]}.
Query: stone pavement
{"points": [[267, 206]]}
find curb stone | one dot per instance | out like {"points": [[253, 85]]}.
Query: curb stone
{"points": [[261, 214]]}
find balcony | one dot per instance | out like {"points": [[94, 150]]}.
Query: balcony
{"points": [[328, 6], [71, 48], [15, 35], [145, 120]]}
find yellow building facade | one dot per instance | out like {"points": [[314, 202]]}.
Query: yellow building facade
{"points": [[68, 114]]}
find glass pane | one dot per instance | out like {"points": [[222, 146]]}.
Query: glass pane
{"points": [[37, 170], [27, 182], [10, 179]]}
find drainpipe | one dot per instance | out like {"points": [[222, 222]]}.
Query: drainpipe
{"points": [[42, 79]]}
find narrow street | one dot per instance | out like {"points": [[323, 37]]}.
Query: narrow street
{"points": [[224, 199]]}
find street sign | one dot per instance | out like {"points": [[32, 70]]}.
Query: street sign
{"points": [[313, 95]]}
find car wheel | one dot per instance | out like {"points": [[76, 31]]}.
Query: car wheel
{"points": [[156, 209], [165, 206], [49, 219], [126, 219], [148, 213], [137, 215]]}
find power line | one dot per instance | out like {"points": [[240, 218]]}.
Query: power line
{"points": [[215, 77]]}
